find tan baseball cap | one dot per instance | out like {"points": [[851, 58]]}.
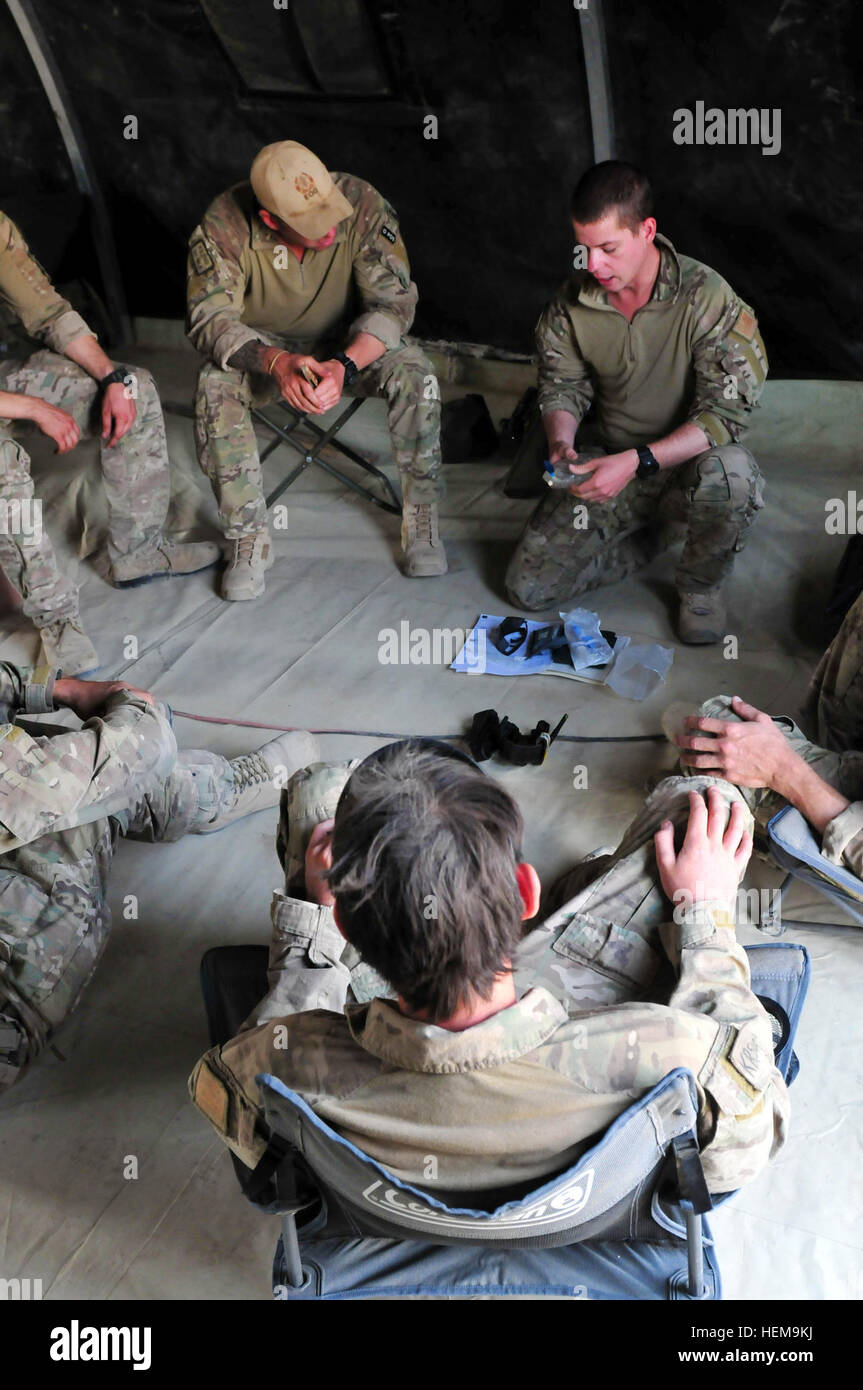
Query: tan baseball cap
{"points": [[290, 181]]}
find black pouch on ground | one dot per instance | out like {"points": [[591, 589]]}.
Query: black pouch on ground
{"points": [[467, 431]]}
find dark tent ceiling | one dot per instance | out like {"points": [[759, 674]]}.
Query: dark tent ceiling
{"points": [[483, 206]]}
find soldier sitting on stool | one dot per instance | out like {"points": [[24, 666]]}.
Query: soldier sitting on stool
{"points": [[73, 389], [301, 268]]}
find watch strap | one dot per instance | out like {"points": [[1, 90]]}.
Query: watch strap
{"points": [[118, 376], [352, 371], [648, 463]]}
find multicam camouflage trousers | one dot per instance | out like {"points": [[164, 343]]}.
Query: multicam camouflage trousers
{"points": [[135, 472], [565, 552], [599, 946], [834, 704], [54, 917], [600, 941], [228, 449]]}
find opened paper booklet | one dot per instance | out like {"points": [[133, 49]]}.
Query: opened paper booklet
{"points": [[480, 655]]}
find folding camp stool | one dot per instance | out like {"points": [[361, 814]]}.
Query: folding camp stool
{"points": [[794, 848], [625, 1221], [309, 454]]}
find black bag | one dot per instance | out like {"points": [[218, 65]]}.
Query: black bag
{"points": [[523, 435], [848, 584], [467, 432]]}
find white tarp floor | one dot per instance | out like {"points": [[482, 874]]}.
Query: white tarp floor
{"points": [[307, 655]]}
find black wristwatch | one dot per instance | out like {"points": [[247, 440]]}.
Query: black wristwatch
{"points": [[647, 464], [118, 375], [352, 371]]}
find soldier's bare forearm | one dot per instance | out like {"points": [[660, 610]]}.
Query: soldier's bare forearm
{"points": [[560, 427], [364, 349], [16, 405], [679, 446], [86, 352], [252, 357], [809, 793]]}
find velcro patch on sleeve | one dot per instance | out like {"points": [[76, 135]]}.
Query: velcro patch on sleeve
{"points": [[389, 234], [745, 324], [749, 1056], [202, 258], [211, 1098]]}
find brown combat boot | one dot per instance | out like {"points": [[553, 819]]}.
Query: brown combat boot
{"points": [[164, 561], [260, 776], [702, 618], [421, 542], [250, 558]]}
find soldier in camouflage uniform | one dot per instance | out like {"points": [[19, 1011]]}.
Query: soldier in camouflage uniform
{"points": [[775, 765], [65, 799], [834, 704], [673, 360], [610, 994], [69, 391], [301, 270]]}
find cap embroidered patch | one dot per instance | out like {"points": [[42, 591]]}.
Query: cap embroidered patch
{"points": [[201, 258], [305, 184], [389, 234]]}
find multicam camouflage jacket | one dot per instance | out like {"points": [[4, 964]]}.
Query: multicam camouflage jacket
{"points": [[693, 353], [245, 285], [51, 782], [521, 1094], [27, 291]]}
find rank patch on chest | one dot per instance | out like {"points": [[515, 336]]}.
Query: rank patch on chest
{"points": [[201, 258], [389, 234]]}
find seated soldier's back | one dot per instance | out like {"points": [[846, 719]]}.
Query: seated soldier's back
{"points": [[509, 1100]]}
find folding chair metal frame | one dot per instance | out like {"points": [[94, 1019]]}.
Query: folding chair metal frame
{"points": [[309, 455]]}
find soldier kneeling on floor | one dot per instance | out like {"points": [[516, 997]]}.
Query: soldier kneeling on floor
{"points": [[674, 362]]}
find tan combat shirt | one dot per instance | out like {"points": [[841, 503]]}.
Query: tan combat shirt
{"points": [[692, 353], [525, 1092], [245, 285], [27, 291]]}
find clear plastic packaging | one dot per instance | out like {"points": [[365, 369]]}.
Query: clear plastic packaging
{"points": [[586, 642], [639, 669]]}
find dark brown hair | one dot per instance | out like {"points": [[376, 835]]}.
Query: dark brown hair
{"points": [[613, 185], [425, 849]]}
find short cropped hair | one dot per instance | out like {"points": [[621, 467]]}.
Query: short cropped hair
{"points": [[613, 185], [425, 849]]}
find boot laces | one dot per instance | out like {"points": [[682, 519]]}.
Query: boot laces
{"points": [[701, 603], [250, 769], [55, 629], [420, 525], [245, 549]]}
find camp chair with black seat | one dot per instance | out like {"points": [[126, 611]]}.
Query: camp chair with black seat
{"points": [[794, 847], [625, 1221]]}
